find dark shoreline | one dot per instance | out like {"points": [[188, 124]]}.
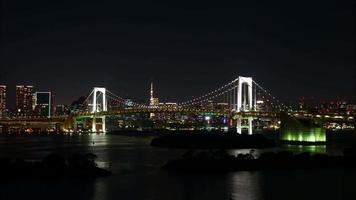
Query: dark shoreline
{"points": [[221, 162], [53, 166]]}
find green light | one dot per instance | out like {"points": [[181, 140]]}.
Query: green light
{"points": [[304, 135], [80, 118]]}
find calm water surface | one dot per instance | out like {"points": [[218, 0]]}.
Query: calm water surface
{"points": [[137, 174]]}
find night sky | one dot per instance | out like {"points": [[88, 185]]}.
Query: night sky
{"points": [[292, 48]]}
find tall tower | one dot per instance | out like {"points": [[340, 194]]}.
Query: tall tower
{"points": [[153, 101], [151, 94]]}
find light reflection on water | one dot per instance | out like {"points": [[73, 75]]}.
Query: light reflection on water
{"points": [[306, 148], [313, 149], [137, 174], [245, 185]]}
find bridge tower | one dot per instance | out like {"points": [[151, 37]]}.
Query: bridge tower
{"points": [[244, 82], [99, 105], [244, 102], [101, 122], [97, 92]]}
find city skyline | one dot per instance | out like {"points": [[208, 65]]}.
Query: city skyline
{"points": [[177, 100], [187, 51]]}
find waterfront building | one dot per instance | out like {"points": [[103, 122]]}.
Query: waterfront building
{"points": [[62, 110], [43, 104], [24, 99], [2, 101]]}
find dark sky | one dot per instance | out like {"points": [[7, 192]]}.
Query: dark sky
{"points": [[293, 48]]}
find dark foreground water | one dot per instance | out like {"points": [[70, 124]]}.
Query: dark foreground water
{"points": [[137, 174]]}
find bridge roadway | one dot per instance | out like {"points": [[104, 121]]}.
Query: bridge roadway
{"points": [[68, 119], [180, 110], [331, 117]]}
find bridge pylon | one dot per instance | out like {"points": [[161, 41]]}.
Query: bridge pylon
{"points": [[97, 105], [244, 102], [242, 99], [95, 122]]}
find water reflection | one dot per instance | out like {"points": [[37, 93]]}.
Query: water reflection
{"points": [[137, 173], [313, 149], [245, 186], [306, 148]]}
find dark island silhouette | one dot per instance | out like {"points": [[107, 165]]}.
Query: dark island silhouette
{"points": [[220, 160], [52, 166], [213, 141]]}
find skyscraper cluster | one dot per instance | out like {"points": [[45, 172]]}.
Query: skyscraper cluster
{"points": [[28, 102]]}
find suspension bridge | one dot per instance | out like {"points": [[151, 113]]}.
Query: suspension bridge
{"points": [[241, 105], [241, 99]]}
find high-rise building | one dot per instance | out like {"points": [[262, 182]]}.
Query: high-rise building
{"points": [[2, 101], [43, 104], [24, 99]]}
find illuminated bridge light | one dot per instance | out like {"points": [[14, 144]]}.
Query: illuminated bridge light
{"points": [[338, 117]]}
